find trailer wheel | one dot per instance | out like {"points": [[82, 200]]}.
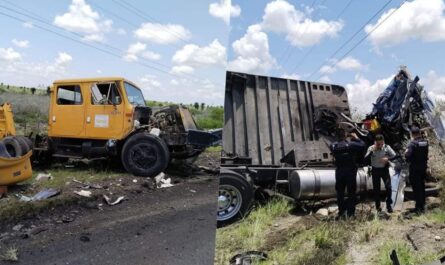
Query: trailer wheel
{"points": [[145, 155], [235, 197], [12, 146]]}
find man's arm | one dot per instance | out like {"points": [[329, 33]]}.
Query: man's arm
{"points": [[391, 153], [409, 152]]}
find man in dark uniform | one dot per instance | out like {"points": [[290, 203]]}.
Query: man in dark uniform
{"points": [[345, 153], [417, 156]]}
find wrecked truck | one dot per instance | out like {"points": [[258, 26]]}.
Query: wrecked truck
{"points": [[277, 134], [97, 118]]}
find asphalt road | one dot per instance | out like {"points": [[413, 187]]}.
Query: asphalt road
{"points": [[168, 226]]}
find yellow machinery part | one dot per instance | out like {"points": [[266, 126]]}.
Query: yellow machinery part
{"points": [[14, 170], [7, 127]]}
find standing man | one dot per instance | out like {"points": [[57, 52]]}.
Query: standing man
{"points": [[417, 156], [380, 154], [345, 153]]}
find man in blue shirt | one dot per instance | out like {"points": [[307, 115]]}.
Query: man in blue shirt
{"points": [[345, 153], [417, 156]]}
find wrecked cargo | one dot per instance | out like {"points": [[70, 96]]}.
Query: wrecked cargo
{"points": [[277, 134]]}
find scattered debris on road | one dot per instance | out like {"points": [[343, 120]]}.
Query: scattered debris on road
{"points": [[247, 258], [110, 202], [43, 177], [42, 195], [86, 185], [162, 182], [84, 193]]}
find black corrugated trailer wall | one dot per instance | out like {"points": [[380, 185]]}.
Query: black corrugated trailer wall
{"points": [[267, 117]]}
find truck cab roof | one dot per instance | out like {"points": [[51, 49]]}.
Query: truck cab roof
{"points": [[93, 79]]}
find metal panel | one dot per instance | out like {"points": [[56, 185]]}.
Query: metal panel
{"points": [[267, 117]]}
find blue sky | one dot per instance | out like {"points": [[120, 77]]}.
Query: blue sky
{"points": [[185, 39], [272, 37]]}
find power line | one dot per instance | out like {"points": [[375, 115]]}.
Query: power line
{"points": [[85, 43], [303, 59], [42, 20], [352, 37], [367, 35], [114, 14], [145, 16]]}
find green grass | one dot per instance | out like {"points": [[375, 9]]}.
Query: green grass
{"points": [[249, 234], [406, 255], [10, 254]]}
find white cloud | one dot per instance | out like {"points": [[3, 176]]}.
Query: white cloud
{"points": [[63, 58], [224, 10], [9, 54], [195, 56], [417, 19], [21, 43], [282, 17], [149, 82], [434, 85], [162, 34], [182, 69], [252, 52], [174, 82], [31, 73], [121, 31], [139, 49], [292, 76], [348, 63], [325, 79], [82, 19], [363, 93], [28, 25]]}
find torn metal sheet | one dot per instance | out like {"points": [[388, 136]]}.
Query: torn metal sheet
{"points": [[110, 202], [84, 193], [42, 195]]}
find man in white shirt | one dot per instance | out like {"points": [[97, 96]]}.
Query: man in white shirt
{"points": [[380, 154]]}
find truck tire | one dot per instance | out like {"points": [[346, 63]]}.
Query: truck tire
{"points": [[12, 146], [145, 155], [235, 196], [23, 144]]}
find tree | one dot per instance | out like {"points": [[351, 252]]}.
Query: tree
{"points": [[196, 105], [48, 90], [33, 90], [203, 105]]}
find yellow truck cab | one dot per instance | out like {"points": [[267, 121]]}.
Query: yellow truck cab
{"points": [[108, 117]]}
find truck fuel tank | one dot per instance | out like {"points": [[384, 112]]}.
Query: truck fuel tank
{"points": [[310, 184]]}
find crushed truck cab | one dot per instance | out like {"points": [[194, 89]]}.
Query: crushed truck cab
{"points": [[108, 117]]}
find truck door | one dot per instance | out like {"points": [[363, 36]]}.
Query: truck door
{"points": [[105, 115], [67, 113]]}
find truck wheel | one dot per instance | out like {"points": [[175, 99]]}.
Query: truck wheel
{"points": [[145, 155], [235, 197], [12, 146]]}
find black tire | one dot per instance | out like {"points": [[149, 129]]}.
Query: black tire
{"points": [[235, 197], [23, 144], [145, 155], [13, 146]]}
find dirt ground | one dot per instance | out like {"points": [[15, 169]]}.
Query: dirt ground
{"points": [[174, 225]]}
